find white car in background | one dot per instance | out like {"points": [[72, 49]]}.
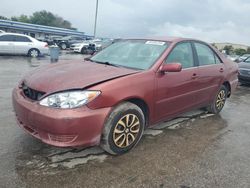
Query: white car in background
{"points": [[80, 47], [18, 44]]}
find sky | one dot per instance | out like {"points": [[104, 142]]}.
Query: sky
{"points": [[207, 20]]}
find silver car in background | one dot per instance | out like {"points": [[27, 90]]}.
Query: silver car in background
{"points": [[18, 44]]}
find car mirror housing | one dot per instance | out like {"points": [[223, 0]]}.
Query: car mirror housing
{"points": [[171, 67]]}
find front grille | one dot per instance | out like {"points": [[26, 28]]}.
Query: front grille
{"points": [[62, 138], [31, 93]]}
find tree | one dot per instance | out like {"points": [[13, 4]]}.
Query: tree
{"points": [[240, 51], [3, 18], [43, 18], [229, 49], [47, 18], [248, 50], [22, 18], [214, 45]]}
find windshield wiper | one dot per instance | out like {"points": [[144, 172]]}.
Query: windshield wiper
{"points": [[100, 62]]}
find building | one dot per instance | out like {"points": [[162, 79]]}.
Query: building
{"points": [[37, 31]]}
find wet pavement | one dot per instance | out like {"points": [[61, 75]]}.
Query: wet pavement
{"points": [[195, 150]]}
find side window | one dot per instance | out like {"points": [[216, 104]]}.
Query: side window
{"points": [[217, 60], [22, 39], [205, 55], [7, 38], [182, 53]]}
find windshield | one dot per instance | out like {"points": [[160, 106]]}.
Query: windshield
{"points": [[136, 54], [247, 60]]}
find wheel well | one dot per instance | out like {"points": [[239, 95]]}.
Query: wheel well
{"points": [[143, 105], [227, 85]]}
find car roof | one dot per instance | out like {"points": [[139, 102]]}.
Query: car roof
{"points": [[17, 34], [166, 39]]}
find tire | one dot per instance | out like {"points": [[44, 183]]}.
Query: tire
{"points": [[84, 50], [33, 52], [219, 100], [123, 129], [63, 46]]}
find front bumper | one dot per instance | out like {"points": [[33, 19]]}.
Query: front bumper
{"points": [[59, 127], [76, 49]]}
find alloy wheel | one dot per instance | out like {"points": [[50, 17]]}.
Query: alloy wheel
{"points": [[126, 130], [34, 53], [221, 98]]}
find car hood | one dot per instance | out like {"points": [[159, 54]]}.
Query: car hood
{"points": [[72, 75]]}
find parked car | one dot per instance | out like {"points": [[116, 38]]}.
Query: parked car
{"points": [[110, 98], [243, 57], [90, 46], [66, 42], [50, 40], [86, 47], [18, 44], [234, 58], [244, 71]]}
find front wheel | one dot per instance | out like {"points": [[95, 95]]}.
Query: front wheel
{"points": [[219, 101], [123, 129]]}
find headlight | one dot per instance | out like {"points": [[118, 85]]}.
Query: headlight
{"points": [[69, 99]]}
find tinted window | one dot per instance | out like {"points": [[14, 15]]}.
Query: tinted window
{"points": [[183, 54], [205, 55], [22, 39], [7, 38]]}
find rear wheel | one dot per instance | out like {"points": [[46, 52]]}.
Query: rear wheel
{"points": [[63, 46], [33, 53], [219, 100], [123, 129]]}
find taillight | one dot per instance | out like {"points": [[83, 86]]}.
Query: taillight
{"points": [[46, 45]]}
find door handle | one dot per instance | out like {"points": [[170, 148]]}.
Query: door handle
{"points": [[194, 76], [221, 70]]}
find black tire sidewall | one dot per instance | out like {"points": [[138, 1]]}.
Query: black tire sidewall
{"points": [[117, 113], [84, 50]]}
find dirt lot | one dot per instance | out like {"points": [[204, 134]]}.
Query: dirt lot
{"points": [[195, 150]]}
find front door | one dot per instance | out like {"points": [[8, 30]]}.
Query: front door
{"points": [[176, 90]]}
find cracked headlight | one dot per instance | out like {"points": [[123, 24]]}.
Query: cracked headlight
{"points": [[69, 99]]}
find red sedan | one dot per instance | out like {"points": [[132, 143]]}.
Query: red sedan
{"points": [[110, 98]]}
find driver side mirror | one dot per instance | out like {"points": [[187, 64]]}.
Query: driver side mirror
{"points": [[171, 67]]}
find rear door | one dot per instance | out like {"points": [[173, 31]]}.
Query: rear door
{"points": [[211, 72], [176, 90], [22, 44], [7, 44]]}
